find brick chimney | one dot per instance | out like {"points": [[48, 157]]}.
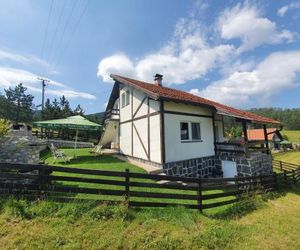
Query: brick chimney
{"points": [[158, 79]]}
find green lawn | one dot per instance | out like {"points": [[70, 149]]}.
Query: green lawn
{"points": [[290, 157], [293, 135], [86, 160], [268, 222]]}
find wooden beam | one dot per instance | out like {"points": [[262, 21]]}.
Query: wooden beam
{"points": [[187, 114], [131, 121], [214, 132], [140, 105], [162, 133], [141, 117], [141, 141], [266, 138], [244, 122], [148, 124]]}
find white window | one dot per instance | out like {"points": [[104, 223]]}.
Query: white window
{"points": [[190, 131], [127, 97], [184, 131], [196, 133], [123, 100]]}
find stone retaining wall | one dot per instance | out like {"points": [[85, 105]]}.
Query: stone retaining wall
{"points": [[204, 167], [70, 144], [19, 146], [256, 164]]}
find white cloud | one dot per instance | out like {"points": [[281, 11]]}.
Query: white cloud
{"points": [[11, 77], [187, 56], [284, 9], [274, 74], [247, 24]]}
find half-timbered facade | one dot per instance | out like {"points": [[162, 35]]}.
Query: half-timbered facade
{"points": [[181, 133]]}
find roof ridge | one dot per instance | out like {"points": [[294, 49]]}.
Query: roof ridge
{"points": [[167, 92]]}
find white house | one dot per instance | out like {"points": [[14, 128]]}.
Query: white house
{"points": [[181, 133]]}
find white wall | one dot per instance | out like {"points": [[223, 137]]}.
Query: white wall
{"points": [[176, 150], [180, 107], [141, 126]]}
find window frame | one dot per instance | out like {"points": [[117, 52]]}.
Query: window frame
{"points": [[127, 102], [196, 139], [188, 135], [123, 101], [190, 132]]}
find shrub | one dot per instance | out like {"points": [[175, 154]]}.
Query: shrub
{"points": [[4, 127]]}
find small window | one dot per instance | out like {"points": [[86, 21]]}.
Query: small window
{"points": [[196, 134], [127, 97], [123, 100], [184, 130]]}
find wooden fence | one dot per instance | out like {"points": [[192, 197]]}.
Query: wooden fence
{"points": [[135, 189], [290, 172]]}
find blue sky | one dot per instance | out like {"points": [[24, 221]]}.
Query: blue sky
{"points": [[244, 54]]}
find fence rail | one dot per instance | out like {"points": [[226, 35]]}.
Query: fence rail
{"points": [[135, 189]]}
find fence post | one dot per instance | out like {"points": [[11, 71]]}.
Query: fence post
{"points": [[200, 194], [276, 181], [285, 177], [280, 163], [127, 185], [294, 177]]}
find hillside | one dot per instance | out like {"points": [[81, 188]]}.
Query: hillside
{"points": [[96, 117], [290, 118]]}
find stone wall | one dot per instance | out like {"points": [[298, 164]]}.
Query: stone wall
{"points": [[19, 146], [211, 166], [256, 164], [204, 167], [70, 144]]}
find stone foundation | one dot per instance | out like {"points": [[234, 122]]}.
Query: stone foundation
{"points": [[256, 164], [204, 166]]}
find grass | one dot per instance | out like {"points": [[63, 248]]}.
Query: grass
{"points": [[87, 160], [290, 157], [293, 135], [270, 221]]}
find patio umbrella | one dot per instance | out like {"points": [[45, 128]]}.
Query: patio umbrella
{"points": [[76, 122]]}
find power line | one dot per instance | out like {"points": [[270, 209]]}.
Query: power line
{"points": [[73, 32], [46, 31], [56, 29], [66, 25]]}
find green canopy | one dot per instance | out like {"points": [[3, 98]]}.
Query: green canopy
{"points": [[76, 122]]}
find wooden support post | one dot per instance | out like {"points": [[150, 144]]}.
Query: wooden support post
{"points": [[200, 194], [280, 163], [246, 138], [285, 177], [294, 177], [266, 139], [127, 186]]}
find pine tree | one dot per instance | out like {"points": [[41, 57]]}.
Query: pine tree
{"points": [[21, 102], [78, 110]]}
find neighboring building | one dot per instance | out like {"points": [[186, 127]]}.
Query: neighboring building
{"points": [[181, 133], [274, 137]]}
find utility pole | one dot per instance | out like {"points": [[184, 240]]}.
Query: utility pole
{"points": [[43, 89]]}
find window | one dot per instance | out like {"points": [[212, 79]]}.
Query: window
{"points": [[190, 131], [196, 135], [123, 100], [127, 97], [184, 130]]}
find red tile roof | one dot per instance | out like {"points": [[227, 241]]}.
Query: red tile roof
{"points": [[258, 134], [159, 92]]}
